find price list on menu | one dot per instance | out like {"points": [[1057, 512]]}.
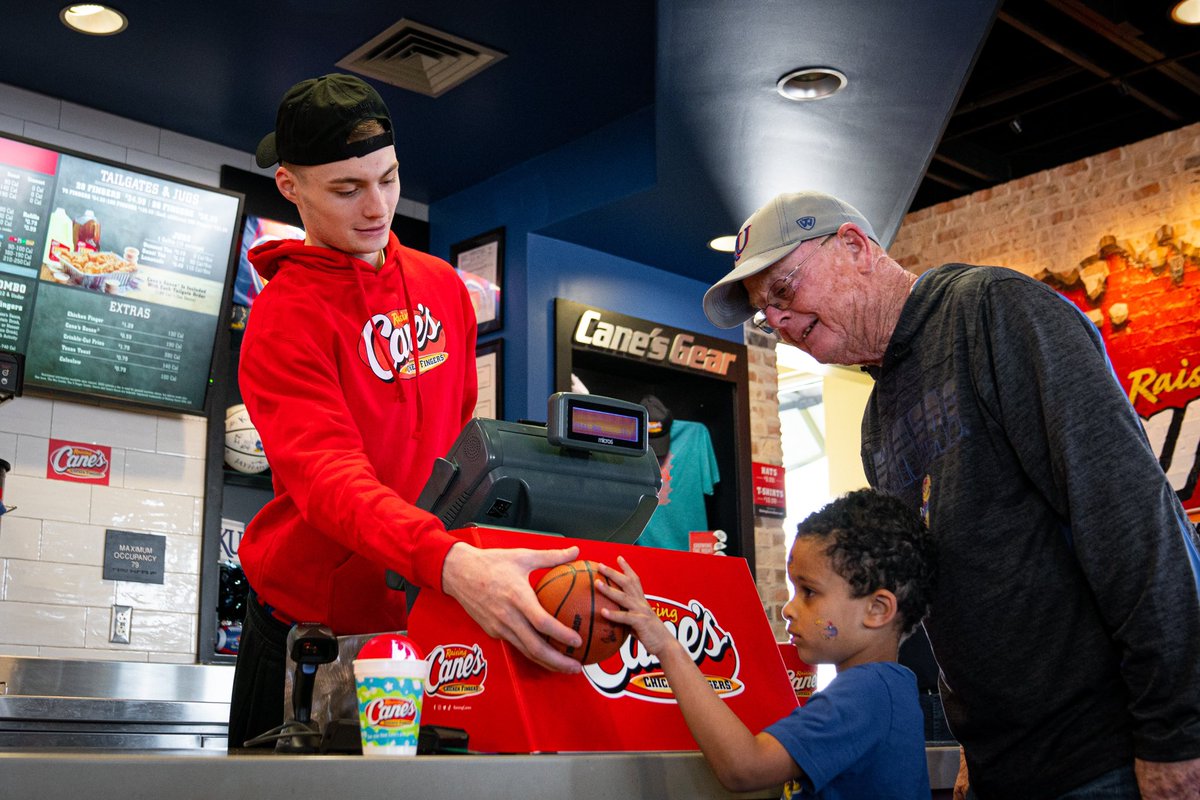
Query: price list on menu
{"points": [[22, 203], [90, 343]]}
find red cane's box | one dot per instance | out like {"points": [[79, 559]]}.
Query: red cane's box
{"points": [[802, 676], [508, 704]]}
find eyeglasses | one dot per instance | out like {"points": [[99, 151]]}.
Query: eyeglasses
{"points": [[780, 295]]}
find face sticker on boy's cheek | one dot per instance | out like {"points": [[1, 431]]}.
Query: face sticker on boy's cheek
{"points": [[828, 629]]}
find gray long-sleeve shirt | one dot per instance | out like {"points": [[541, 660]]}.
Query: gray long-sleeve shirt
{"points": [[1066, 620]]}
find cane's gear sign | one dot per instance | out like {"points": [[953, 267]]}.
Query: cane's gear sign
{"points": [[633, 672]]}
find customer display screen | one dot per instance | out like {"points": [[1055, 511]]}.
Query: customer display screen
{"points": [[604, 424], [112, 279]]}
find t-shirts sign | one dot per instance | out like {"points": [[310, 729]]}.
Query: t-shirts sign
{"points": [[769, 497], [138, 557]]}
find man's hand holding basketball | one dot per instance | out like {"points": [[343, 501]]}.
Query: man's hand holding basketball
{"points": [[493, 588]]}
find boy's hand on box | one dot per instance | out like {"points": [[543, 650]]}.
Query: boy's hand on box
{"points": [[626, 592]]}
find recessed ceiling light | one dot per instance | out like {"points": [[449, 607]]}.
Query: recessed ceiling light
{"points": [[1187, 12], [92, 19], [811, 83], [723, 244]]}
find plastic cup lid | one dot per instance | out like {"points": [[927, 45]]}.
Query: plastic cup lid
{"points": [[391, 645]]}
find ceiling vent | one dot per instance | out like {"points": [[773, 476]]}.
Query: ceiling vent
{"points": [[419, 58]]}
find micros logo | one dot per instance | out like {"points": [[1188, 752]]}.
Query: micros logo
{"points": [[391, 712], [633, 672], [74, 461], [456, 671], [386, 343]]}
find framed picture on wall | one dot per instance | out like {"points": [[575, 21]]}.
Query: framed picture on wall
{"points": [[480, 263], [489, 368]]}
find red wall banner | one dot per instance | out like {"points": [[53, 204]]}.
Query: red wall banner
{"points": [[1147, 307]]}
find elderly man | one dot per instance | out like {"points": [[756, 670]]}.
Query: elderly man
{"points": [[1066, 620]]}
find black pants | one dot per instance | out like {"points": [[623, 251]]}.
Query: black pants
{"points": [[258, 677]]}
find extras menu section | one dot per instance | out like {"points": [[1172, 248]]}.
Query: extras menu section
{"points": [[97, 344]]}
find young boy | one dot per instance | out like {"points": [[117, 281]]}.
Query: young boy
{"points": [[862, 572]]}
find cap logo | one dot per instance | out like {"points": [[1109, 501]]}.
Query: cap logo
{"points": [[743, 239], [807, 222]]}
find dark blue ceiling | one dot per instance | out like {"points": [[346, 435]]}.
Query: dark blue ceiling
{"points": [[700, 73]]}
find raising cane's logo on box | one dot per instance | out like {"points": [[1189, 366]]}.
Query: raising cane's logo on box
{"points": [[391, 712], [74, 461], [633, 672], [456, 671]]}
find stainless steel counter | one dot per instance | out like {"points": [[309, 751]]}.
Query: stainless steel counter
{"points": [[110, 705], [73, 729], [198, 776]]}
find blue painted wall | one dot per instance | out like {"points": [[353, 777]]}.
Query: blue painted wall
{"points": [[601, 168]]}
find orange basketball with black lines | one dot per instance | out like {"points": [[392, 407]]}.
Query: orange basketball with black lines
{"points": [[568, 592]]}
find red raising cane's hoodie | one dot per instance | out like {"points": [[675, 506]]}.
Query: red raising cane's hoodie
{"points": [[351, 422]]}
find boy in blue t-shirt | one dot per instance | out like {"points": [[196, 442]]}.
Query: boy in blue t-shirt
{"points": [[862, 570]]}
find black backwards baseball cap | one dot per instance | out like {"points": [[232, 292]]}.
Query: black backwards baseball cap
{"points": [[315, 119], [658, 426], [771, 233]]}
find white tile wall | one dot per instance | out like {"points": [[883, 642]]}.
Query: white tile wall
{"points": [[100, 125], [54, 601], [181, 435], [20, 538], [70, 542]]}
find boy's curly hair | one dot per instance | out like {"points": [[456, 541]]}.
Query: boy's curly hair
{"points": [[877, 542]]}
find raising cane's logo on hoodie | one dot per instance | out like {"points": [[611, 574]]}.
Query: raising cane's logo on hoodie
{"points": [[386, 344]]}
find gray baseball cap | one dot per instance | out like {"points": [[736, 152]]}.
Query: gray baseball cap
{"points": [[771, 233]]}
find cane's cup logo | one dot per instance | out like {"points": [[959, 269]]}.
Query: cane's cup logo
{"points": [[391, 712], [78, 462], [456, 671], [633, 672]]}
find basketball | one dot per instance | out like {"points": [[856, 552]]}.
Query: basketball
{"points": [[243, 448], [568, 592]]}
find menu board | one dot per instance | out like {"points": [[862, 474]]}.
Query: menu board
{"points": [[111, 279]]}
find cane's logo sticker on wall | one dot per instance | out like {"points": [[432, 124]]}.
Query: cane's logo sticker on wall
{"points": [[633, 672], [456, 671], [78, 462]]}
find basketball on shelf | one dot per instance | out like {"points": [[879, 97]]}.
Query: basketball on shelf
{"points": [[243, 448]]}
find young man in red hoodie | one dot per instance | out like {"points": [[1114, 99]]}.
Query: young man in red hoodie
{"points": [[358, 370]]}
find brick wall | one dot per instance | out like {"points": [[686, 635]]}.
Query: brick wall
{"points": [[1051, 221], [769, 544]]}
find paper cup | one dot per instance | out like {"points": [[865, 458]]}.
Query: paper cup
{"points": [[389, 704]]}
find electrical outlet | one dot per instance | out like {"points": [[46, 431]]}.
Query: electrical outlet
{"points": [[122, 624]]}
